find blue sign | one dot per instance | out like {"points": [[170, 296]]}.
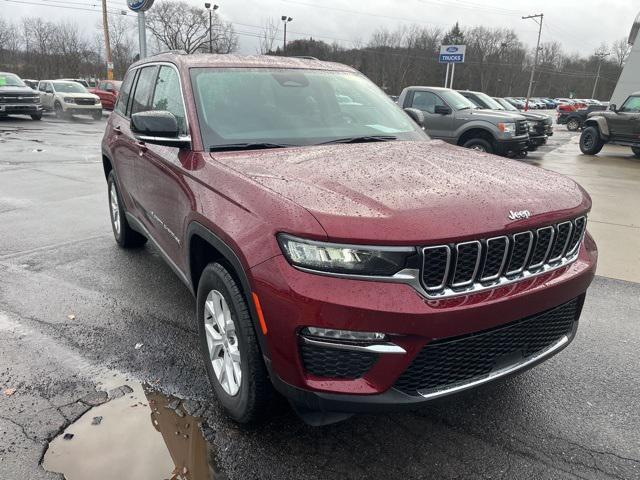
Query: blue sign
{"points": [[139, 5], [449, 58], [452, 53]]}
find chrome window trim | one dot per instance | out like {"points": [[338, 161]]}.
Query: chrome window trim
{"points": [[431, 394], [518, 271], [386, 347], [504, 259], [544, 258], [446, 271], [566, 243], [475, 270]]}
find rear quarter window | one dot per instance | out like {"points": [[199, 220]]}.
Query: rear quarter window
{"points": [[125, 93]]}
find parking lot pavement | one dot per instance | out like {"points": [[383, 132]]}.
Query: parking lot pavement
{"points": [[77, 313]]}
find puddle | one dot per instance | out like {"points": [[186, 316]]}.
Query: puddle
{"points": [[141, 435]]}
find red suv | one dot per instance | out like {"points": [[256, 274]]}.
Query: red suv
{"points": [[108, 91], [336, 252]]}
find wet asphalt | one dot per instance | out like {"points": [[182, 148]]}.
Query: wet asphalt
{"points": [[73, 306]]}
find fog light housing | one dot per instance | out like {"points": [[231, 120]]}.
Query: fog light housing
{"points": [[343, 335]]}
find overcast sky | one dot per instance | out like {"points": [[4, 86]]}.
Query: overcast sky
{"points": [[579, 25]]}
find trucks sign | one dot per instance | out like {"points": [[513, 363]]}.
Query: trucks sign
{"points": [[452, 53], [139, 5]]}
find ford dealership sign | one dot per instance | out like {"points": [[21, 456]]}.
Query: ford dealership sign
{"points": [[452, 53], [140, 5]]}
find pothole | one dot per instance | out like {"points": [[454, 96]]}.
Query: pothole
{"points": [[139, 434]]}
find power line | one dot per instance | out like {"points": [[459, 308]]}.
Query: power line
{"points": [[26, 2]]}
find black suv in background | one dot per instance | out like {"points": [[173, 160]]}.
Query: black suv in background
{"points": [[16, 98], [620, 126], [540, 125]]}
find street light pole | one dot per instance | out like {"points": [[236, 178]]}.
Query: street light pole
{"points": [[211, 10], [535, 62], [286, 20], [601, 55]]}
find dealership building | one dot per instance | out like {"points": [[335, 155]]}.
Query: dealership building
{"points": [[629, 81]]}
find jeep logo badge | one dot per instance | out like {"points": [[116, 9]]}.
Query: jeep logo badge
{"points": [[521, 215]]}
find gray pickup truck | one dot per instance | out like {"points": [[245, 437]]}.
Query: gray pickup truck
{"points": [[451, 117]]}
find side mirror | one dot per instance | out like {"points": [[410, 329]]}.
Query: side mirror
{"points": [[442, 110], [158, 127], [48, 90], [613, 107], [416, 115]]}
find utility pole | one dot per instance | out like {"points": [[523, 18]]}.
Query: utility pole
{"points": [[535, 62], [286, 20], [107, 41], [211, 10], [601, 55]]}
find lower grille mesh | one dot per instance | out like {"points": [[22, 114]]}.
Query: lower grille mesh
{"points": [[334, 363], [446, 363]]}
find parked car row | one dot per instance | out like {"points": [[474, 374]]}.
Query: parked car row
{"points": [[65, 97], [475, 120]]}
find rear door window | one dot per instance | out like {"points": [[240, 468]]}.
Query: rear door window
{"points": [[125, 93], [144, 88]]}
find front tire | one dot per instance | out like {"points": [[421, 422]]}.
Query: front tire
{"points": [[124, 235], [97, 115], [36, 116], [636, 151], [230, 348], [59, 111], [573, 125], [478, 144], [590, 141]]}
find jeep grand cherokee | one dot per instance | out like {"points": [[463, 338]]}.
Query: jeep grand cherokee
{"points": [[337, 254]]}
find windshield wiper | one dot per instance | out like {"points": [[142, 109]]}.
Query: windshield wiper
{"points": [[362, 139], [246, 146]]}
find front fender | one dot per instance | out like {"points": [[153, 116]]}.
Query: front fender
{"points": [[601, 124]]}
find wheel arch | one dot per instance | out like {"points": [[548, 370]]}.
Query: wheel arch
{"points": [[205, 247], [476, 132], [601, 124]]}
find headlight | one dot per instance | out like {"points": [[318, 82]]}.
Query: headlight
{"points": [[507, 127], [345, 259], [69, 100]]}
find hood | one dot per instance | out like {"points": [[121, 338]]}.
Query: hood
{"points": [[16, 90], [534, 116], [494, 116], [410, 192]]}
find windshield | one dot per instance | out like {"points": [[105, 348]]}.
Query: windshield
{"points": [[294, 107], [489, 102], [68, 87], [505, 105], [456, 100], [10, 80]]}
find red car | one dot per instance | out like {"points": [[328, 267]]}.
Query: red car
{"points": [[108, 91], [336, 253]]}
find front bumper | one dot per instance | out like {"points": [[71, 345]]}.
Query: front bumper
{"points": [[83, 109], [515, 145], [292, 300], [20, 108]]}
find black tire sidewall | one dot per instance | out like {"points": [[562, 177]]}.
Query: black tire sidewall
{"points": [[216, 277], [597, 141], [479, 141]]}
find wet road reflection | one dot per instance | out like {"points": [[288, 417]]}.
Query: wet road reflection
{"points": [[142, 434]]}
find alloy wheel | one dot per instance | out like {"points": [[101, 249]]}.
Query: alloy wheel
{"points": [[222, 342], [115, 208]]}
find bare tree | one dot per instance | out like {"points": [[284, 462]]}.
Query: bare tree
{"points": [[180, 26], [269, 35], [620, 51]]}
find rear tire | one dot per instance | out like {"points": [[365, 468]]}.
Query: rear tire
{"points": [[124, 235], [478, 144], [248, 393], [636, 151], [590, 141], [573, 125]]}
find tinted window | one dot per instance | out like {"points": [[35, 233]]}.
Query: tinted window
{"points": [[42, 86], [144, 87], [123, 98], [426, 101], [168, 96]]}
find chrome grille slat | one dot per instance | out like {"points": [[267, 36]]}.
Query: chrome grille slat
{"points": [[478, 265]]}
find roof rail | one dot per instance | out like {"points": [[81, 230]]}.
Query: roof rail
{"points": [[305, 57], [176, 52]]}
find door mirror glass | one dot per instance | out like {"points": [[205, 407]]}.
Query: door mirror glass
{"points": [[158, 127], [416, 115], [442, 110]]}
